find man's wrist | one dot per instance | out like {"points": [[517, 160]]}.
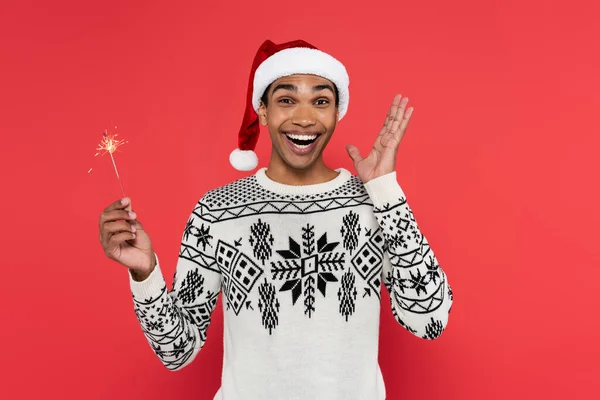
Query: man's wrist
{"points": [[140, 276]]}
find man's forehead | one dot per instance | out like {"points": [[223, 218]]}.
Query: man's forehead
{"points": [[302, 78]]}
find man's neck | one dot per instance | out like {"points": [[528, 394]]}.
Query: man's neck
{"points": [[318, 172]]}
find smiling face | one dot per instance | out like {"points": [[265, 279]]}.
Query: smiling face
{"points": [[301, 114]]}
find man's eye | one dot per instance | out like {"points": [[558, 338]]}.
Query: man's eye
{"points": [[323, 102], [285, 101]]}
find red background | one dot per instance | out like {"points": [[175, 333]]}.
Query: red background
{"points": [[499, 164]]}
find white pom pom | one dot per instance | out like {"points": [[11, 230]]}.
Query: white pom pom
{"points": [[243, 160]]}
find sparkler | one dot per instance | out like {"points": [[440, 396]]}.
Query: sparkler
{"points": [[110, 144]]}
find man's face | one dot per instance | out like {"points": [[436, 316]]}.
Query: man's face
{"points": [[301, 116]]}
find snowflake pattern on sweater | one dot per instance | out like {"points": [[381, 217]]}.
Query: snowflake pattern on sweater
{"points": [[289, 260]]}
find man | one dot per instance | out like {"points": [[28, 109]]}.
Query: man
{"points": [[298, 250]]}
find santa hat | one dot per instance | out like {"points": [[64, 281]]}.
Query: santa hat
{"points": [[274, 61]]}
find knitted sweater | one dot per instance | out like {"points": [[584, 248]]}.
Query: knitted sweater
{"points": [[300, 271]]}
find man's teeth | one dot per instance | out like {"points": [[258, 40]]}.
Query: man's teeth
{"points": [[301, 141], [301, 137]]}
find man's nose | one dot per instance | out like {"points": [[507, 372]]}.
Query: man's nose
{"points": [[303, 116]]}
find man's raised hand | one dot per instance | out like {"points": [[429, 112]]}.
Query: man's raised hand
{"points": [[382, 158]]}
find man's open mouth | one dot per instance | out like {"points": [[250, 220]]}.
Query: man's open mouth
{"points": [[301, 141]]}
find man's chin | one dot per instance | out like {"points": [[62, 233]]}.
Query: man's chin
{"points": [[303, 162]]}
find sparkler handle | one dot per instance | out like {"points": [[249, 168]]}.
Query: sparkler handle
{"points": [[117, 172]]}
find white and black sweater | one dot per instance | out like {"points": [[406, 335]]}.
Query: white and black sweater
{"points": [[300, 269]]}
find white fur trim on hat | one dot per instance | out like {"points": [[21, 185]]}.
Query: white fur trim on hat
{"points": [[302, 60], [243, 160]]}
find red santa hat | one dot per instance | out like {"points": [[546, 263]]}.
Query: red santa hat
{"points": [[274, 61]]}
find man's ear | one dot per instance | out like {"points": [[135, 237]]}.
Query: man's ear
{"points": [[262, 114]]}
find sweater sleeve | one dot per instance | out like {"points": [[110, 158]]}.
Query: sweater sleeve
{"points": [[175, 322], [420, 295]]}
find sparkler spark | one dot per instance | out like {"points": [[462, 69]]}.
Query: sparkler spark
{"points": [[110, 144]]}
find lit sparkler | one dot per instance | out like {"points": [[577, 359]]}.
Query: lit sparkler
{"points": [[110, 144]]}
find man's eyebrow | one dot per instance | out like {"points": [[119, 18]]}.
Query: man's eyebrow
{"points": [[284, 86], [324, 86], [293, 88]]}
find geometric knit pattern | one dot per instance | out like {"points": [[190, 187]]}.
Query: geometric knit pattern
{"points": [[300, 272], [245, 197]]}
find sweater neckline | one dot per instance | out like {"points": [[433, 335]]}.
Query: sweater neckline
{"points": [[315, 188]]}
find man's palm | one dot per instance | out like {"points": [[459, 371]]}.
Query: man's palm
{"points": [[382, 158]]}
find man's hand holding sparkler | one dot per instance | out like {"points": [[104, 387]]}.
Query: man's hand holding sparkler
{"points": [[124, 240]]}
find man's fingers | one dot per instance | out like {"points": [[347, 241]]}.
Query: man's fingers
{"points": [[399, 116], [137, 225], [386, 121], [116, 240], [112, 228], [394, 110], [353, 153], [404, 123], [119, 204], [390, 115], [116, 215], [116, 227]]}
